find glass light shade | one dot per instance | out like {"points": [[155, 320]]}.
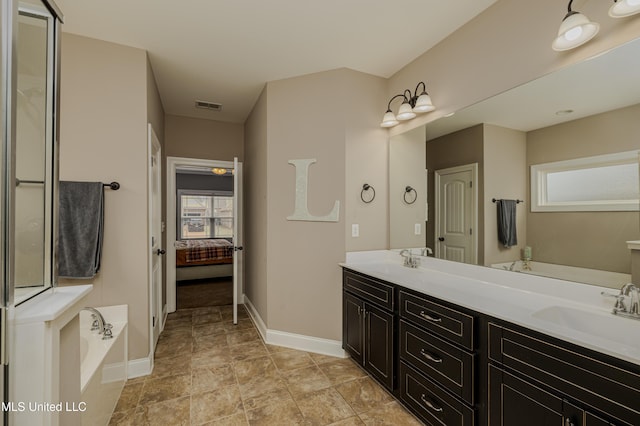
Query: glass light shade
{"points": [[219, 171], [389, 120], [424, 104], [623, 8], [575, 30], [405, 112]]}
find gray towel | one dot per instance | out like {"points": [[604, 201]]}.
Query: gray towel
{"points": [[507, 223], [81, 220]]}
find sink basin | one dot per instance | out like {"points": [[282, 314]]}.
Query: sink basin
{"points": [[597, 324]]}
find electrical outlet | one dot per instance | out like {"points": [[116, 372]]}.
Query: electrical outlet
{"points": [[355, 230], [417, 229]]}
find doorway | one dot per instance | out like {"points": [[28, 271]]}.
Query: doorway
{"points": [[204, 233], [457, 213]]}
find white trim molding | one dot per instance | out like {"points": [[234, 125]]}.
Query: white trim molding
{"points": [[139, 367], [173, 163], [294, 341]]}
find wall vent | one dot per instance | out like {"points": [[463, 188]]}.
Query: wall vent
{"points": [[209, 105]]}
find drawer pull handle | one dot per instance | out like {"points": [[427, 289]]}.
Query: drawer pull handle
{"points": [[430, 357], [429, 404], [429, 317]]}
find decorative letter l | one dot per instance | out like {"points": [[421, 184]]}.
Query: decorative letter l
{"points": [[301, 211]]}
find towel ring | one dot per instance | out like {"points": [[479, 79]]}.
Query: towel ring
{"points": [[409, 190], [367, 187]]}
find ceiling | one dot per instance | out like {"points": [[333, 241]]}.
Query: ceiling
{"points": [[224, 51]]}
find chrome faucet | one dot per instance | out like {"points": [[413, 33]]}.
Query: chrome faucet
{"points": [[426, 252], [99, 323], [627, 301], [410, 261]]}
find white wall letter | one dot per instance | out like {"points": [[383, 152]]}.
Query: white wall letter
{"points": [[301, 211]]}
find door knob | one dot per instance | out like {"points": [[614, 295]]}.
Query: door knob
{"points": [[440, 238], [160, 252], [238, 248]]}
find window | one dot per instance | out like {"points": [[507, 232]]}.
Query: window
{"points": [[205, 215], [602, 183]]}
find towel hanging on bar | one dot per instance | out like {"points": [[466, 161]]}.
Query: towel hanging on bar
{"points": [[81, 223], [507, 234]]}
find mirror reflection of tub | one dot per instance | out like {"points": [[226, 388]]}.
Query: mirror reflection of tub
{"points": [[568, 273]]}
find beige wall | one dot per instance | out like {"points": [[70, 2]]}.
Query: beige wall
{"points": [[506, 45], [585, 239], [456, 149], [301, 292], [255, 206], [407, 164], [505, 176], [303, 276], [366, 160], [103, 137], [205, 139]]}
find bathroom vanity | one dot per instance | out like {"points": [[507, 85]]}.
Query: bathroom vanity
{"points": [[464, 345]]}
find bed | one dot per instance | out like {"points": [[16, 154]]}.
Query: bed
{"points": [[197, 259]]}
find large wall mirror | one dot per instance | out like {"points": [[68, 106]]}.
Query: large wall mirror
{"points": [[578, 125], [34, 150]]}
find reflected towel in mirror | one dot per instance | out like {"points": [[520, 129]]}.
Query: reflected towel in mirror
{"points": [[507, 222]]}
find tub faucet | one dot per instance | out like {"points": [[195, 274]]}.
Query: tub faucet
{"points": [[427, 252], [99, 323]]}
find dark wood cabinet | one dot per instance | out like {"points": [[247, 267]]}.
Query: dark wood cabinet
{"points": [[369, 324], [438, 364], [353, 326], [580, 386], [452, 366], [379, 358]]}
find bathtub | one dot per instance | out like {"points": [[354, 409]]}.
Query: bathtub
{"points": [[569, 273], [103, 365]]}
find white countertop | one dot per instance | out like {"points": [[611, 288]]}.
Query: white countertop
{"points": [[534, 302], [50, 304]]}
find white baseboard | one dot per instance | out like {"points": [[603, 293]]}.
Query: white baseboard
{"points": [[139, 367], [294, 341]]}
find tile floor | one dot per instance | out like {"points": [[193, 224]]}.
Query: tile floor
{"points": [[210, 372]]}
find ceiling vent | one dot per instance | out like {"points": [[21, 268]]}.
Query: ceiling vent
{"points": [[209, 105]]}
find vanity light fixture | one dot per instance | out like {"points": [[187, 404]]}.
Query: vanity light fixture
{"points": [[624, 8], [411, 105], [219, 171], [575, 30]]}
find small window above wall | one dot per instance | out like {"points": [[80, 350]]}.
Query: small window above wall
{"points": [[602, 183]]}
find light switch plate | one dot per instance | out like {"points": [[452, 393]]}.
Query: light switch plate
{"points": [[355, 230], [417, 229]]}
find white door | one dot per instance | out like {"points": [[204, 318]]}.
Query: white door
{"points": [[155, 234], [237, 236], [456, 213]]}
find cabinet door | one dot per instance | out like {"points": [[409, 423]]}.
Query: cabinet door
{"points": [[353, 327], [513, 401], [379, 359]]}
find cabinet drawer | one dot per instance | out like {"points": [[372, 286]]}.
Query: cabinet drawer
{"points": [[593, 379], [432, 404], [369, 289], [449, 366], [445, 322]]}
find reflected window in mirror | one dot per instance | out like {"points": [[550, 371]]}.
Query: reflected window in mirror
{"points": [[600, 183]]}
